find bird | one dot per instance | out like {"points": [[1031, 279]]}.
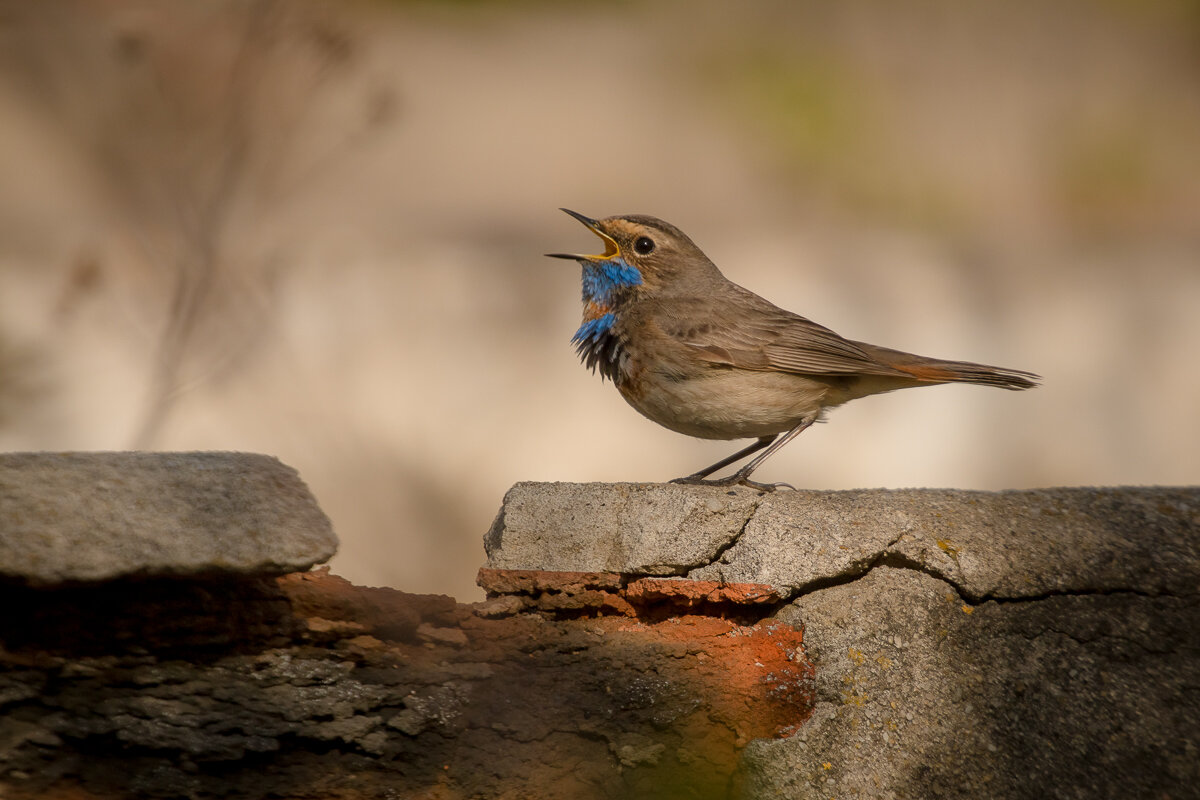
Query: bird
{"points": [[702, 356]]}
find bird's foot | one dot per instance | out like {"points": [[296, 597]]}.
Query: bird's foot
{"points": [[732, 480]]}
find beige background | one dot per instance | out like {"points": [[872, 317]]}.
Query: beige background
{"points": [[315, 230]]}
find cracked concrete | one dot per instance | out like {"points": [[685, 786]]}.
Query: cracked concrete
{"points": [[988, 545], [1040, 643], [922, 695], [629, 528]]}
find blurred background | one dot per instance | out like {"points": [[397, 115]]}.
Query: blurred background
{"points": [[315, 230]]}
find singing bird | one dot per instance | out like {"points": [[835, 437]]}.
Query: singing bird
{"points": [[696, 353]]}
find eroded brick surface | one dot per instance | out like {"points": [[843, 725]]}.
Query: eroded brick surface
{"points": [[558, 593], [308, 686]]}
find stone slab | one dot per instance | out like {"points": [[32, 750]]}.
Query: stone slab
{"points": [[642, 528], [987, 544], [86, 517], [1009, 544]]}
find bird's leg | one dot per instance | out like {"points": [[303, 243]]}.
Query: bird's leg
{"points": [[697, 478], [742, 476]]}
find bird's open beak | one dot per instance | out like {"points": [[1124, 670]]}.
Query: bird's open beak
{"points": [[610, 246]]}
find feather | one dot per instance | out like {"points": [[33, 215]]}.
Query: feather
{"points": [[747, 332]]}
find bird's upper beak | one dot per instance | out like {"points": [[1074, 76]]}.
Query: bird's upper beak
{"points": [[610, 245]]}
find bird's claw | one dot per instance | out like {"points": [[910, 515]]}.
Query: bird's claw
{"points": [[732, 480], [764, 487]]}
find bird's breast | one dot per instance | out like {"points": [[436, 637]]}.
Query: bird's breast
{"points": [[721, 403]]}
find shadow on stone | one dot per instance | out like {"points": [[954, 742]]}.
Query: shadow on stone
{"points": [[166, 617], [307, 686]]}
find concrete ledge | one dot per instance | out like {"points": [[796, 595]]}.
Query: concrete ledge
{"points": [[88, 517], [1011, 644], [1009, 544], [634, 528]]}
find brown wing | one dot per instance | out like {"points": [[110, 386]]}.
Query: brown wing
{"points": [[742, 330]]}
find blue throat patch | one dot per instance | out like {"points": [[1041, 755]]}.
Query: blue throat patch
{"points": [[602, 278], [597, 344], [591, 331]]}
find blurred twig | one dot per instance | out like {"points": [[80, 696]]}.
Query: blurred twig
{"points": [[195, 270], [199, 123]]}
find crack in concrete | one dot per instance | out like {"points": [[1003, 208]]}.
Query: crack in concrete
{"points": [[1096, 592], [713, 559], [889, 557], [974, 599], [897, 560], [720, 552], [1102, 637], [853, 572]]}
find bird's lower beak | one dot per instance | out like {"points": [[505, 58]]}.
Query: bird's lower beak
{"points": [[610, 245]]}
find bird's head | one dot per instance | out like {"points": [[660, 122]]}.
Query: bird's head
{"points": [[641, 253]]}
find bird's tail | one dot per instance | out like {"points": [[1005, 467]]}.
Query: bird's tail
{"points": [[967, 372], [933, 370]]}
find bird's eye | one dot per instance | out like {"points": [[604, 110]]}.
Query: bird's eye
{"points": [[643, 245]]}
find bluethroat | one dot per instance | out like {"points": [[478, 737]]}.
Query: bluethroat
{"points": [[698, 354]]}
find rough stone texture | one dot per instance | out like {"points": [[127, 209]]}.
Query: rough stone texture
{"points": [[968, 644], [307, 687], [933, 644], [68, 517], [988, 544], [637, 528], [1088, 695]]}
